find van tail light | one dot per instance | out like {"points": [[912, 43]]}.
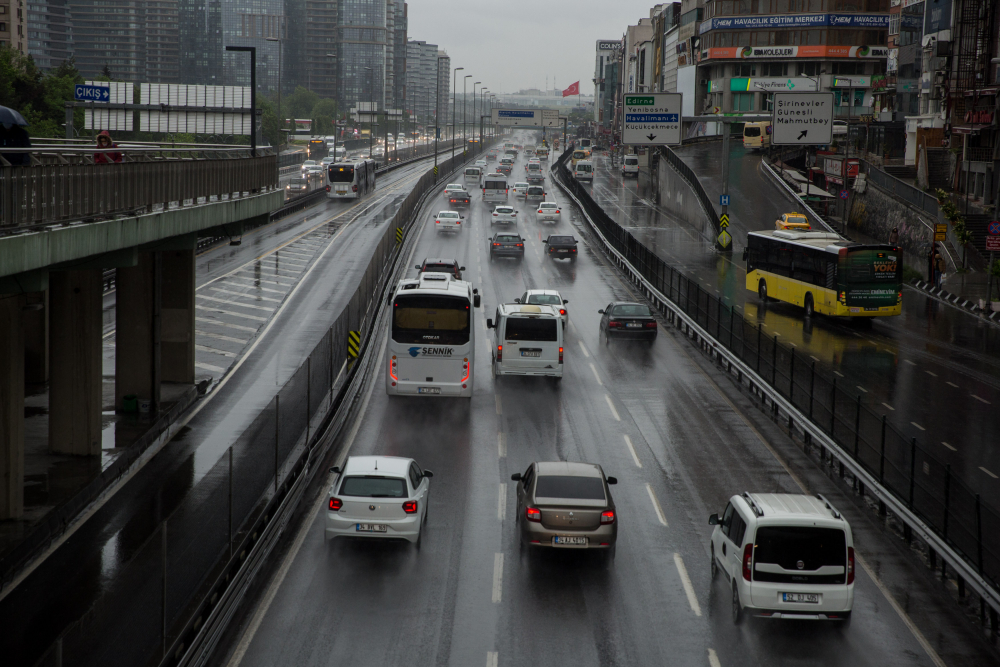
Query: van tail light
{"points": [[392, 368], [747, 558], [336, 504], [410, 506], [499, 352], [560, 355], [458, 222], [608, 516], [533, 514], [650, 325], [850, 565], [465, 369]]}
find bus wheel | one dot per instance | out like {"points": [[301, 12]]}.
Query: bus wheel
{"points": [[762, 291], [808, 305]]}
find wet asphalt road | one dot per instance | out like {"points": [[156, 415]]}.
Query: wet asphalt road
{"points": [[933, 371], [326, 249], [661, 420]]}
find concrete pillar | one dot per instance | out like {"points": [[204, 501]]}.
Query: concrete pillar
{"points": [[36, 340], [11, 407], [75, 302], [136, 340], [177, 328]]}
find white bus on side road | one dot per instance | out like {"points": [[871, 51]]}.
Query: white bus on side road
{"points": [[432, 340], [350, 180]]}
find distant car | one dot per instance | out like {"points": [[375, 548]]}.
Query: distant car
{"points": [[459, 197], [625, 319], [480, 163], [440, 265], [534, 193], [546, 297], [307, 164], [491, 156], [561, 247], [564, 504], [297, 186], [378, 497], [792, 221], [453, 187], [504, 214], [506, 244], [506, 165], [548, 211], [448, 221], [519, 188]]}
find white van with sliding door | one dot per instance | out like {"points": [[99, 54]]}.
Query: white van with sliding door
{"points": [[527, 340], [584, 170], [473, 174]]}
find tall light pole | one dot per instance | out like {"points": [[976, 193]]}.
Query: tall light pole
{"points": [[493, 99], [482, 107], [253, 94], [477, 83], [465, 106], [454, 108], [371, 125], [437, 108]]}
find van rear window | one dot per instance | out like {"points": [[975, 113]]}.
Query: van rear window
{"points": [[534, 329], [801, 550], [751, 132]]}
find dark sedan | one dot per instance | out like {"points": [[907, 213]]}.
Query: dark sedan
{"points": [[624, 319], [506, 245]]}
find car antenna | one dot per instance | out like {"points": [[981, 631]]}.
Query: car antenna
{"points": [[376, 464]]}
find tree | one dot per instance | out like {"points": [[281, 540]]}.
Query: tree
{"points": [[39, 97], [323, 113], [301, 102]]}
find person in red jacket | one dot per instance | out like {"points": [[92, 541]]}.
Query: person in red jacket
{"points": [[104, 141]]}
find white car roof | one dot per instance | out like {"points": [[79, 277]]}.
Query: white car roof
{"points": [[504, 206], [548, 204], [550, 292], [379, 465], [448, 214], [795, 508], [520, 183], [453, 186], [528, 310]]}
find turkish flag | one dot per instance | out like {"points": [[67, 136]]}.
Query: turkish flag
{"points": [[574, 89]]}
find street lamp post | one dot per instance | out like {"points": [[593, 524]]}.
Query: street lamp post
{"points": [[253, 93], [336, 130], [371, 125], [454, 108], [482, 106], [465, 106], [477, 83]]}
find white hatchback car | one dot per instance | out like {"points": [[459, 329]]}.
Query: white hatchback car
{"points": [[548, 211], [378, 496], [504, 214], [785, 556], [453, 187], [448, 221], [481, 164], [520, 188], [546, 297]]}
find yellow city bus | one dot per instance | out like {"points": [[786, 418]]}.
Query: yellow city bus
{"points": [[580, 154], [825, 273]]}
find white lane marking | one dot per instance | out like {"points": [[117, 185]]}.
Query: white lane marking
{"points": [[596, 376], [688, 586], [909, 362], [485, 328], [219, 323], [814, 359], [243, 294], [983, 400], [499, 407], [861, 388], [497, 576], [502, 502], [713, 658], [933, 375], [209, 367], [948, 446], [951, 384], [230, 302], [272, 271], [612, 406], [502, 444], [205, 348], [988, 472], [583, 349], [492, 659], [918, 426], [656, 505], [888, 406], [199, 332], [253, 286], [213, 309], [839, 374], [631, 449], [256, 273], [279, 578]]}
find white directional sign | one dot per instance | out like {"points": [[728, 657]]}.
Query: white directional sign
{"points": [[802, 119], [652, 119], [525, 117]]}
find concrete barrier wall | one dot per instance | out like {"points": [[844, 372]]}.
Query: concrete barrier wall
{"points": [[674, 193], [875, 212]]}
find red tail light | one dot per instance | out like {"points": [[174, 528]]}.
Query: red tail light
{"points": [[410, 506], [499, 352], [533, 514], [354, 188], [608, 516], [850, 565], [560, 355], [465, 369], [496, 244], [747, 558], [458, 222], [328, 188], [650, 325], [336, 504], [520, 245], [562, 311], [437, 222], [613, 323]]}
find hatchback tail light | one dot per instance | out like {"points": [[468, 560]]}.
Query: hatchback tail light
{"points": [[410, 506], [650, 325], [608, 516], [437, 222], [336, 504], [747, 558], [850, 565], [533, 514]]}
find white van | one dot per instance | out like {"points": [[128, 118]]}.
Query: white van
{"points": [[584, 170], [494, 189], [527, 340], [630, 166], [473, 174]]}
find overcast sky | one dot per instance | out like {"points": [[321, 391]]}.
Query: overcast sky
{"points": [[514, 44]]}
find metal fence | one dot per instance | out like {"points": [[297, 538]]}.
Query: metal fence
{"points": [[148, 610], [63, 184], [901, 189], [902, 465]]}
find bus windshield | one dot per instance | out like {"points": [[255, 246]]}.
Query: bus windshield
{"points": [[343, 174], [871, 277], [435, 320]]}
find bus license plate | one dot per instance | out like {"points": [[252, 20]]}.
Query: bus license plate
{"points": [[800, 597], [375, 528], [870, 308], [428, 390], [526, 353]]}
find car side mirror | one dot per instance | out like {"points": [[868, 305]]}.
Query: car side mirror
{"points": [[475, 290], [713, 520], [517, 300], [428, 473], [601, 311], [335, 469], [516, 477], [489, 323], [565, 301], [476, 300], [416, 266], [545, 241], [461, 268], [612, 480], [746, 251]]}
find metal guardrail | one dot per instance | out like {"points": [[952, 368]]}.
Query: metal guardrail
{"points": [[908, 480], [901, 189]]}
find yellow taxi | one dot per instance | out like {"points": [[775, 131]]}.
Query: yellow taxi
{"points": [[792, 221]]}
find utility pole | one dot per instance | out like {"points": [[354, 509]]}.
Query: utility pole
{"points": [[465, 108], [724, 240], [454, 108]]}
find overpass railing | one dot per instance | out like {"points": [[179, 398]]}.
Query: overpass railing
{"points": [[62, 183]]}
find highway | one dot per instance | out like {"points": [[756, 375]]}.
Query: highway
{"points": [[934, 370], [680, 438]]}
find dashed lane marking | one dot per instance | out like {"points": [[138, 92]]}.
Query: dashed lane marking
{"points": [[612, 407], [502, 502], [254, 287], [230, 339], [209, 367], [212, 309], [813, 358], [497, 577], [951, 384], [948, 446], [981, 400], [918, 426], [713, 658], [631, 450], [912, 363], [988, 472], [933, 375], [889, 406], [862, 388], [230, 302], [656, 506], [838, 374], [219, 323], [205, 348], [596, 376], [688, 586], [243, 294], [492, 659], [583, 348], [502, 444], [269, 280]]}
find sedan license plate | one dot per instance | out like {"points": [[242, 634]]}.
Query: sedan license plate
{"points": [[569, 540], [428, 390], [633, 325], [530, 353], [800, 597], [375, 528]]}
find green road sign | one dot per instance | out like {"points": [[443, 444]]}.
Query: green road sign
{"points": [[639, 100]]}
